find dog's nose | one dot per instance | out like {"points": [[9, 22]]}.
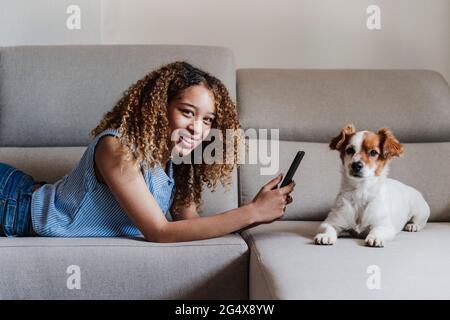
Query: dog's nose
{"points": [[357, 166]]}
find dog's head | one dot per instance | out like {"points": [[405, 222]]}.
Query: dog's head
{"points": [[365, 153]]}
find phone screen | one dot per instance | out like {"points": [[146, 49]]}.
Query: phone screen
{"points": [[292, 169]]}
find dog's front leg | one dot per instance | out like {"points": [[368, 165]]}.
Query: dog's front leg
{"points": [[378, 235], [327, 233], [335, 223]]}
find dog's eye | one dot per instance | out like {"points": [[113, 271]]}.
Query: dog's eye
{"points": [[350, 151], [373, 153]]}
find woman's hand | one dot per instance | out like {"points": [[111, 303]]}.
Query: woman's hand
{"points": [[268, 204]]}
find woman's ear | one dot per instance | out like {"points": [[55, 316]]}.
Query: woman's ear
{"points": [[337, 142], [389, 145]]}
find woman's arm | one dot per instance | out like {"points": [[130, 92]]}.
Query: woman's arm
{"points": [[129, 188], [190, 212], [205, 223], [268, 206], [208, 227]]}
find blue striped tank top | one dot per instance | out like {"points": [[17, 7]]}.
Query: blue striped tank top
{"points": [[78, 205]]}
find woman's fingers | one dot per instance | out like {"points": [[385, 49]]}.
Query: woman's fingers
{"points": [[272, 183], [288, 189], [288, 199]]}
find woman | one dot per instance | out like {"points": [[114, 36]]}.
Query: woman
{"points": [[126, 182]]}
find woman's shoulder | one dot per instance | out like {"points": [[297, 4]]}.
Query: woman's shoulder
{"points": [[107, 132], [105, 155], [109, 155], [109, 151], [107, 143]]}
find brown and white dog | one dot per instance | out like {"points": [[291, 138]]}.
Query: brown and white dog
{"points": [[369, 204]]}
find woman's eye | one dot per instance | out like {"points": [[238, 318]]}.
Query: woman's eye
{"points": [[350, 151], [373, 153], [209, 120], [187, 112]]}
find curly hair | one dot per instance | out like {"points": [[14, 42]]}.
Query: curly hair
{"points": [[140, 116]]}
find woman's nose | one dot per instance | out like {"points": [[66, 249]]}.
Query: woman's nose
{"points": [[195, 127]]}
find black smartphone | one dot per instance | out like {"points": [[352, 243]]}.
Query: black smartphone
{"points": [[292, 169]]}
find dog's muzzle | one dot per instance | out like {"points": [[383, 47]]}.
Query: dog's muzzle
{"points": [[356, 169]]}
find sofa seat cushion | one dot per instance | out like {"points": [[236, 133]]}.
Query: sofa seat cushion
{"points": [[286, 264], [123, 268]]}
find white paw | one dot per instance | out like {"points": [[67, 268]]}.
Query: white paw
{"points": [[411, 227], [323, 238], [372, 241]]}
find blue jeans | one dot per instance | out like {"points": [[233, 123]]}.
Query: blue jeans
{"points": [[15, 202]]}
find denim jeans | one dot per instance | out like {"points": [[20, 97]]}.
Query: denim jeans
{"points": [[15, 202]]}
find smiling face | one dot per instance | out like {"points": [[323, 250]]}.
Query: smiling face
{"points": [[190, 118], [365, 153]]}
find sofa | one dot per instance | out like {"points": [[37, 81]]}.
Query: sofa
{"points": [[52, 96]]}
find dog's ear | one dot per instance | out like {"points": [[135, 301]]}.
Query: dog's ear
{"points": [[389, 145], [337, 142]]}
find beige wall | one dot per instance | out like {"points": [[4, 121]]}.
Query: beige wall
{"points": [[262, 33], [292, 33], [43, 22]]}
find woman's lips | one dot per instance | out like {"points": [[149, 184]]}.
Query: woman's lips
{"points": [[188, 142], [187, 139]]}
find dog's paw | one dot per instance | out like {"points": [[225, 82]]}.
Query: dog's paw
{"points": [[411, 227], [323, 238], [372, 241]]}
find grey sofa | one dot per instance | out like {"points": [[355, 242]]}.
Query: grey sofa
{"points": [[51, 96]]}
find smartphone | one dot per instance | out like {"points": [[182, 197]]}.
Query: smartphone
{"points": [[292, 169]]}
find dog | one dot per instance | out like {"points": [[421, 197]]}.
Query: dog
{"points": [[369, 205]]}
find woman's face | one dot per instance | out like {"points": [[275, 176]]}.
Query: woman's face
{"points": [[190, 118]]}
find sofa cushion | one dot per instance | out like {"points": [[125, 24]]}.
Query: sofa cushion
{"points": [[57, 94], [285, 264], [318, 177], [122, 268], [312, 105]]}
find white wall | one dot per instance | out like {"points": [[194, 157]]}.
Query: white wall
{"points": [[43, 22], [293, 33], [262, 33]]}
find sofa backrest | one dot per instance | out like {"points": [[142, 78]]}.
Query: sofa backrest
{"points": [[51, 97], [309, 107]]}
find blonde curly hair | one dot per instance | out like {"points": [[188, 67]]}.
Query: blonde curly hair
{"points": [[140, 116]]}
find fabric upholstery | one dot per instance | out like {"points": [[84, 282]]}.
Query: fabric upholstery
{"points": [[123, 268], [312, 105], [57, 94], [283, 257]]}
